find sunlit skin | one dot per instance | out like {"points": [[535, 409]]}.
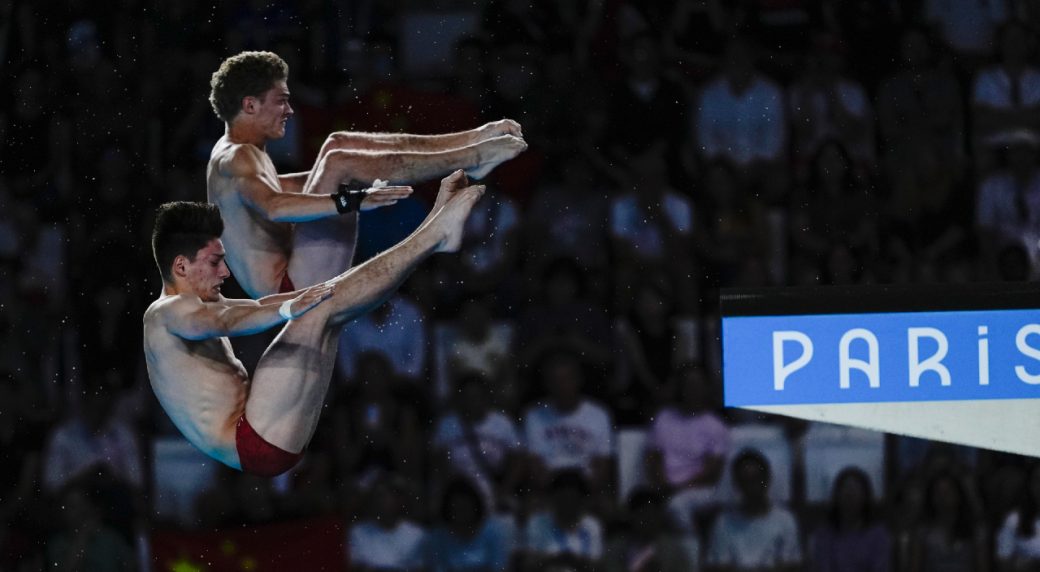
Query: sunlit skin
{"points": [[206, 390], [279, 225], [206, 274]]}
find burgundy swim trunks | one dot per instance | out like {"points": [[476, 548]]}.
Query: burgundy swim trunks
{"points": [[287, 285], [259, 457]]}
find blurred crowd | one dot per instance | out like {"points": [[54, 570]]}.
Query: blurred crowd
{"points": [[549, 398]]}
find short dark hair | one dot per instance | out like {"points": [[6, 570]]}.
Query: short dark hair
{"points": [[645, 496], [183, 228], [242, 75], [460, 486], [569, 479], [754, 457], [853, 473]]}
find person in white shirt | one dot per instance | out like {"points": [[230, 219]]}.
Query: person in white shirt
{"points": [[565, 537], [968, 27], [386, 540], [1007, 204], [651, 229], [758, 534], [90, 441], [826, 105], [569, 430], [1006, 96], [741, 116], [397, 329], [480, 444], [1018, 542]]}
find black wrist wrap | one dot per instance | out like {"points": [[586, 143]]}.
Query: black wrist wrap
{"points": [[348, 198]]}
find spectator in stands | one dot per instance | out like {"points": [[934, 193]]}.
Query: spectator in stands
{"points": [[469, 538], [567, 217], [480, 444], [851, 539], [1007, 208], [566, 537], [648, 544], [397, 329], [645, 105], [741, 119], [650, 230], [379, 426], [480, 345], [967, 27], [1006, 96], [90, 441], [952, 537], [835, 207], [687, 447], [21, 438], [921, 115], [238, 499], [488, 253], [568, 430], [1018, 541], [386, 539], [652, 341], [84, 541], [869, 35], [827, 105], [731, 224], [695, 35], [758, 534], [907, 513], [564, 313]]}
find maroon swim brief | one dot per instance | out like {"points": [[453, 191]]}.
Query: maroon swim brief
{"points": [[259, 457]]}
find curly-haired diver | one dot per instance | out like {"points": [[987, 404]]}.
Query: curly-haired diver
{"points": [[283, 231]]}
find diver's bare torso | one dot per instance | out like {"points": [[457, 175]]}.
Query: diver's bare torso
{"points": [[258, 249], [201, 384]]}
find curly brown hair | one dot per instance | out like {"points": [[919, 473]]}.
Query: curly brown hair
{"points": [[245, 74]]}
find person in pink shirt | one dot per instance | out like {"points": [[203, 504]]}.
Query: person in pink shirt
{"points": [[687, 446]]}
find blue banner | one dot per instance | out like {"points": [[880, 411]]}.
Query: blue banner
{"points": [[881, 357]]}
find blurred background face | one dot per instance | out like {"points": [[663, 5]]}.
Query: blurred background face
{"points": [[946, 498], [77, 509], [567, 505], [96, 407], [752, 480], [740, 63], [1034, 484], [561, 286], [1021, 158], [642, 57], [719, 184], [694, 391], [915, 50], [475, 318], [473, 400], [651, 306], [852, 496], [647, 520], [387, 504], [832, 167], [1014, 46], [375, 376], [651, 172], [513, 71], [464, 509], [563, 379]]}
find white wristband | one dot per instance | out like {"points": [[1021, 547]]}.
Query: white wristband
{"points": [[284, 310]]}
